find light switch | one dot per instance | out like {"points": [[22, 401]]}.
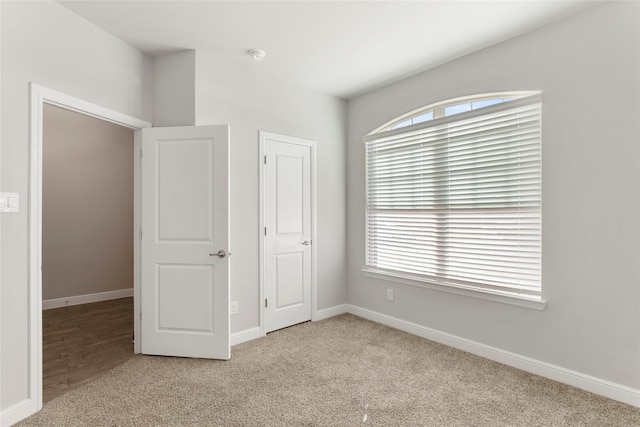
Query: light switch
{"points": [[9, 202]]}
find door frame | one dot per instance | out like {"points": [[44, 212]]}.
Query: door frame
{"points": [[263, 136], [39, 96]]}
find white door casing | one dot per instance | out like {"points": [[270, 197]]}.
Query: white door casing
{"points": [[40, 95], [185, 225], [288, 240]]}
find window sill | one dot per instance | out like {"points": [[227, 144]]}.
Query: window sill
{"points": [[523, 301]]}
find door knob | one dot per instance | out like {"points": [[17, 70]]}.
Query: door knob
{"points": [[220, 254], [306, 243]]}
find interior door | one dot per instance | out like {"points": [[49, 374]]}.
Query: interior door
{"points": [[287, 241], [185, 242]]}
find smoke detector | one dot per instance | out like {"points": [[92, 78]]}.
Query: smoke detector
{"points": [[257, 54]]}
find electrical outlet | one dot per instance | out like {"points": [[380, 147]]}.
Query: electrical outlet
{"points": [[9, 202], [234, 307], [390, 294]]}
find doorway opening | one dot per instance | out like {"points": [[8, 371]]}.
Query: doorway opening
{"points": [[39, 97], [87, 248]]}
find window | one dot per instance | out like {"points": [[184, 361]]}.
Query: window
{"points": [[449, 108], [454, 196]]}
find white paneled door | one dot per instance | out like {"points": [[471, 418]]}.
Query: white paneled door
{"points": [[288, 231], [185, 242]]}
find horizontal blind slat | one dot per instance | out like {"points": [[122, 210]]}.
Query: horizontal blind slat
{"points": [[458, 201]]}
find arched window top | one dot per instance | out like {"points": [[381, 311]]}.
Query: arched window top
{"points": [[451, 107]]}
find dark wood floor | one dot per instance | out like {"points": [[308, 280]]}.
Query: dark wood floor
{"points": [[82, 342]]}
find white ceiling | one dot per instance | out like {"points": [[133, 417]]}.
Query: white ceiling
{"points": [[343, 48]]}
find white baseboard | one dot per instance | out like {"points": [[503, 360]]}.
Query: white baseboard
{"points": [[17, 412], [246, 335], [254, 333], [566, 376], [586, 382], [85, 299], [330, 312]]}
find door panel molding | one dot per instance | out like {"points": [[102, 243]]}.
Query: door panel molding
{"points": [[264, 138]]}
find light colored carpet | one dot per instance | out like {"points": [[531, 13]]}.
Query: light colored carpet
{"points": [[343, 371]]}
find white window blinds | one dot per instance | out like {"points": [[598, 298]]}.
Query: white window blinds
{"points": [[456, 201]]}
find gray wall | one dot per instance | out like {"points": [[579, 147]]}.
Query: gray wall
{"points": [[241, 95], [174, 89], [43, 42], [87, 205], [587, 68]]}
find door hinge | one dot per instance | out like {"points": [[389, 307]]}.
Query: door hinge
{"points": [[265, 160], [266, 304], [140, 153], [265, 231], [140, 234]]}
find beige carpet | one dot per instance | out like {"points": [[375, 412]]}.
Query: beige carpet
{"points": [[343, 371]]}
